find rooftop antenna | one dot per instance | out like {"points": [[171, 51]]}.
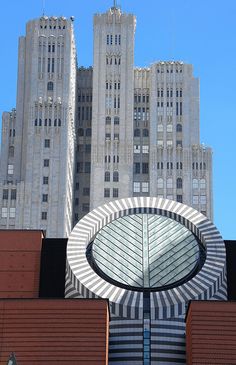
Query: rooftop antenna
{"points": [[43, 7]]}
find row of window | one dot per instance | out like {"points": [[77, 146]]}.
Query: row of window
{"points": [[169, 143], [87, 132], [52, 27], [169, 183], [141, 114], [137, 132], [116, 85], [115, 102], [141, 98], [199, 199], [85, 113], [107, 193], [137, 149], [169, 93], [47, 122], [108, 136], [83, 167], [116, 159], [11, 213], [139, 187], [5, 194], [200, 166], [199, 184], [85, 98], [179, 106], [107, 176], [113, 39], [162, 70], [116, 120], [84, 148], [169, 165], [169, 128], [12, 133], [112, 60], [141, 168]]}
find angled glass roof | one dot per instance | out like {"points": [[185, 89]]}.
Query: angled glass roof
{"points": [[145, 251]]}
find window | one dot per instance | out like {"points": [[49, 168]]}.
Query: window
{"points": [[202, 184], [203, 199], [145, 168], [45, 198], [169, 165], [145, 133], [106, 193], [108, 120], [50, 86], [178, 143], [136, 187], [76, 201], [116, 120], [178, 128], [12, 212], [169, 128], [169, 183], [45, 180], [137, 133], [88, 132], [116, 136], [195, 199], [160, 165], [86, 191], [145, 149], [46, 162], [195, 183], [10, 169], [137, 168], [179, 183], [79, 167], [115, 176], [11, 151], [160, 142], [88, 148], [5, 194], [85, 207], [13, 194], [87, 167], [4, 213], [179, 198], [145, 187], [136, 148], [115, 193], [107, 176], [47, 143], [108, 135], [80, 132], [44, 216], [169, 143], [160, 183], [160, 128]]}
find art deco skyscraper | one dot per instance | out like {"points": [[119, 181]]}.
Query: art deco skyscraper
{"points": [[37, 161]]}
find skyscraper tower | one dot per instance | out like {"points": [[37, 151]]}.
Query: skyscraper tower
{"points": [[112, 135], [37, 161]]}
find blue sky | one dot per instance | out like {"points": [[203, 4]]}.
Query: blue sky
{"points": [[200, 32]]}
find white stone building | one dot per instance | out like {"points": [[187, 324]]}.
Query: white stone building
{"points": [[137, 130]]}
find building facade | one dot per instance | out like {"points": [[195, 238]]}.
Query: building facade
{"points": [[83, 137]]}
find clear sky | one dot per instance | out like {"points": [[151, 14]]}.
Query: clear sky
{"points": [[201, 32]]}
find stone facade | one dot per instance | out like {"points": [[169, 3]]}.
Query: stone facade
{"points": [[136, 130]]}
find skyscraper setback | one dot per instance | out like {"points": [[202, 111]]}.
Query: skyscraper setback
{"points": [[83, 137]]}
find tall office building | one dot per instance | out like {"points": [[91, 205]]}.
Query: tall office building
{"points": [[137, 130], [37, 160]]}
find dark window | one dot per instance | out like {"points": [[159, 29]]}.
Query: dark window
{"points": [[13, 194], [50, 86], [46, 162], [179, 183], [87, 167], [107, 176], [88, 148], [5, 194], [45, 122], [115, 193], [36, 122], [137, 168], [116, 120], [115, 176], [178, 128], [80, 132], [45, 180], [160, 165], [44, 216], [40, 122], [145, 168], [47, 143], [179, 198], [45, 198], [145, 132], [55, 122], [116, 135], [77, 186], [106, 193], [85, 207], [76, 201], [88, 132], [86, 191], [59, 122], [49, 122], [137, 133], [79, 167], [178, 143]]}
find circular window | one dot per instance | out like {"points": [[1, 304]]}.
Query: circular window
{"points": [[146, 252]]}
